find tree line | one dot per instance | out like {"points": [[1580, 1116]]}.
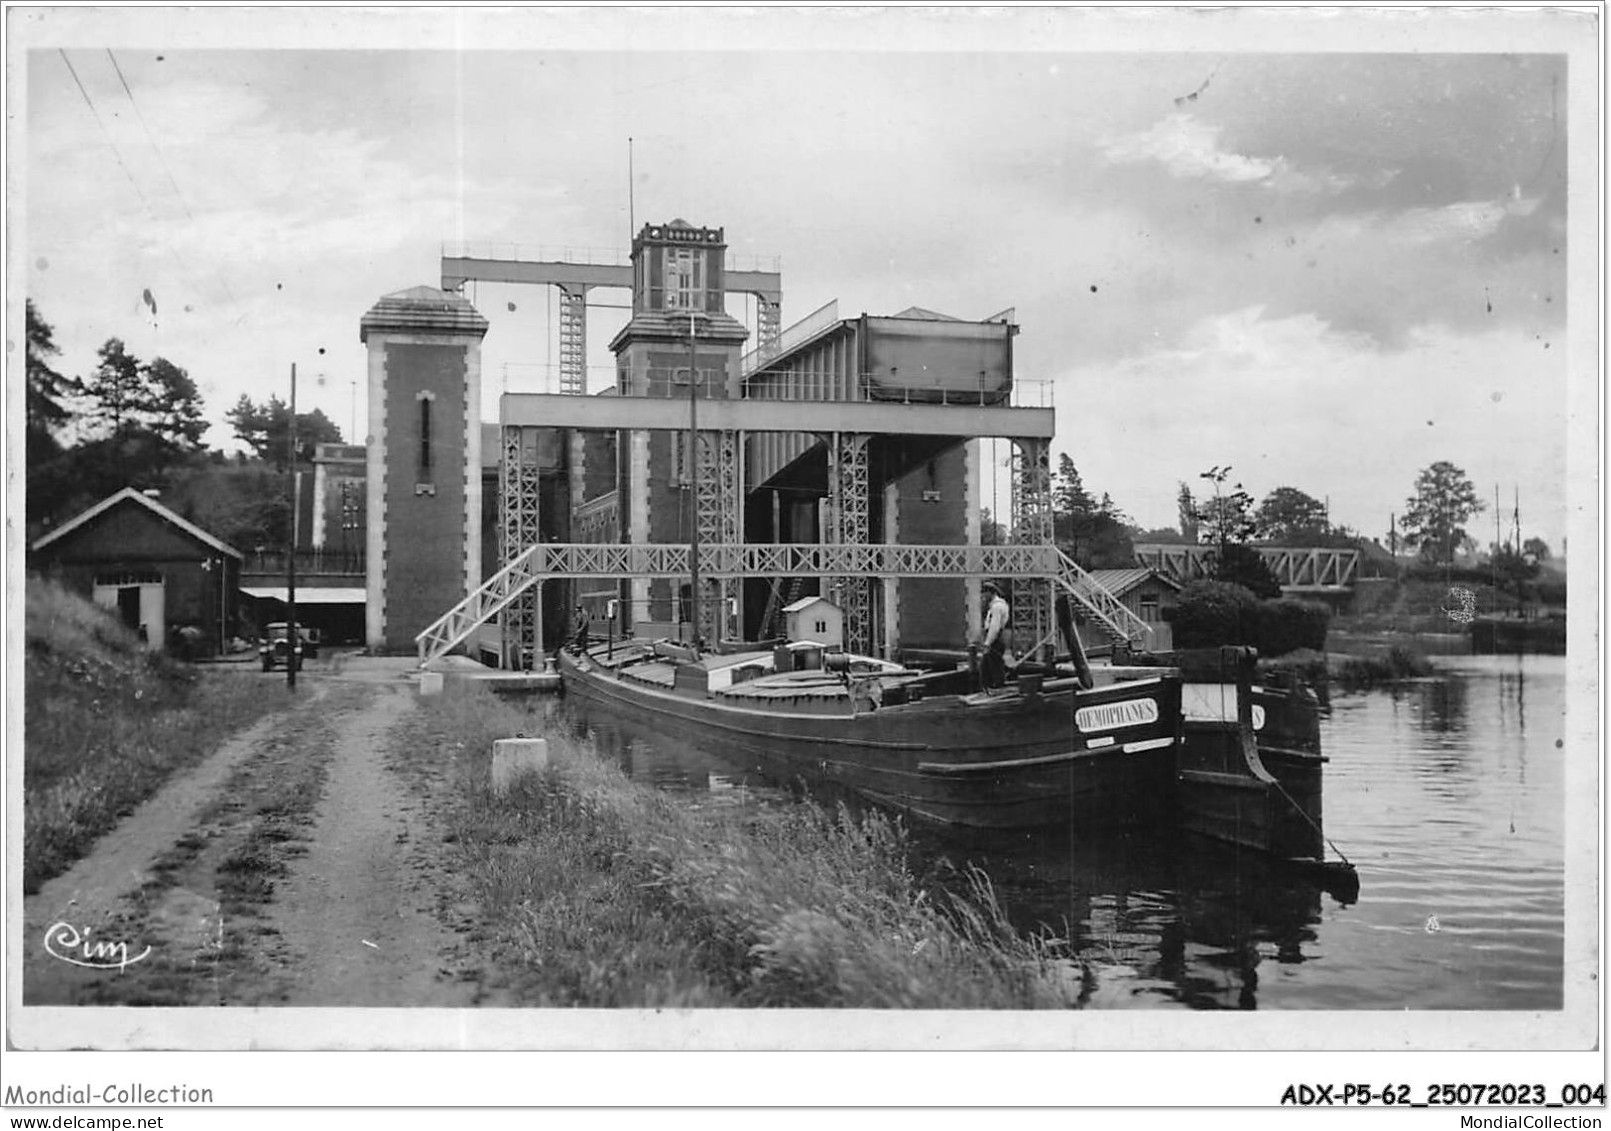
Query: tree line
{"points": [[136, 423], [1097, 534]]}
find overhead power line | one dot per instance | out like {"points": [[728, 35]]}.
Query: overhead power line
{"points": [[163, 161], [106, 133]]}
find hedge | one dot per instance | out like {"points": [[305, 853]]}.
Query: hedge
{"points": [[1212, 613]]}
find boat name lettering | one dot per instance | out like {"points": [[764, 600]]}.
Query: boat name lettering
{"points": [[1111, 716]]}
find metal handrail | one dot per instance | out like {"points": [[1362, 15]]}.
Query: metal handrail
{"points": [[547, 560], [591, 256], [1115, 617], [815, 322]]}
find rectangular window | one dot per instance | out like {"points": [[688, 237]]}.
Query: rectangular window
{"points": [[685, 279], [679, 459], [1149, 609], [425, 436]]}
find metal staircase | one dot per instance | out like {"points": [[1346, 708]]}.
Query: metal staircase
{"points": [[1116, 621], [785, 592], [547, 560]]}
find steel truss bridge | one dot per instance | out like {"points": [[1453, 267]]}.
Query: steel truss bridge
{"points": [[548, 560], [1299, 570]]}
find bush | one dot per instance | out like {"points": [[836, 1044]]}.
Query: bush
{"points": [[1287, 625], [1211, 613]]}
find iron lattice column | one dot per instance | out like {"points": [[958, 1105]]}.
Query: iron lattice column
{"points": [[573, 339], [848, 493], [769, 325], [1031, 525], [720, 524], [519, 496]]}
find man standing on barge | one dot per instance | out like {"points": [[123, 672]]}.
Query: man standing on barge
{"points": [[997, 636]]}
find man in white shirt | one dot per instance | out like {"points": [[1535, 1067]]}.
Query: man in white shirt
{"points": [[997, 636]]}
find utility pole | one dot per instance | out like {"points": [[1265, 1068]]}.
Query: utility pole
{"points": [[292, 652]]}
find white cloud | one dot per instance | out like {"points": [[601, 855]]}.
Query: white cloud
{"points": [[1293, 402], [1190, 149], [1465, 221]]}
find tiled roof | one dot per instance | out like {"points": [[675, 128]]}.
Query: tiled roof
{"points": [[1121, 581], [422, 310], [672, 325], [806, 602], [130, 495]]}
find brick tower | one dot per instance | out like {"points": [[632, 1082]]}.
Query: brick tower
{"points": [[679, 288], [424, 473]]}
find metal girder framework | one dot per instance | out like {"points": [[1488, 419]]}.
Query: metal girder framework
{"points": [[769, 326], [518, 487], [1031, 523], [1311, 568], [848, 494], [544, 560], [573, 340], [1303, 568], [719, 508]]}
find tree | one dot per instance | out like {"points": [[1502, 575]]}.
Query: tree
{"points": [[1444, 499], [113, 390], [1093, 532], [1237, 563], [1513, 570], [1226, 523], [1159, 535], [46, 387], [1188, 514], [266, 429], [172, 408], [1228, 517], [1537, 548], [1290, 517], [990, 531]]}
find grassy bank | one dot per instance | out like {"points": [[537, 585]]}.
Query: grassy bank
{"points": [[597, 891], [106, 723]]}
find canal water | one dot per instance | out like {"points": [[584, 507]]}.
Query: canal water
{"points": [[1447, 793]]}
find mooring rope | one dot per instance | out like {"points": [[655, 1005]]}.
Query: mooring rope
{"points": [[1304, 814]]}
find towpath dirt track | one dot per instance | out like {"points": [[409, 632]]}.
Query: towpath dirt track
{"points": [[295, 866]]}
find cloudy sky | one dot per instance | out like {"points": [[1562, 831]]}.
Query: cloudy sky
{"points": [[1325, 270]]}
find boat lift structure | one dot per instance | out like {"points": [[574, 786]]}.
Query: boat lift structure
{"points": [[851, 559], [819, 384]]}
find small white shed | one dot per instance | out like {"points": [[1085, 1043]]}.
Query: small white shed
{"points": [[816, 619]]}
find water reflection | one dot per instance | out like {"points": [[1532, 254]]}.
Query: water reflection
{"points": [[1442, 704], [1447, 793], [649, 757], [1156, 918]]}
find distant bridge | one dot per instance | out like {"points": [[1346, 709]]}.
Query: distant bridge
{"points": [[1314, 569]]}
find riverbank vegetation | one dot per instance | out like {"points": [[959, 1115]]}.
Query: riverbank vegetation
{"points": [[106, 722], [597, 891]]}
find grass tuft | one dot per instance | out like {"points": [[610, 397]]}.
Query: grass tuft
{"points": [[107, 722], [598, 891]]}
